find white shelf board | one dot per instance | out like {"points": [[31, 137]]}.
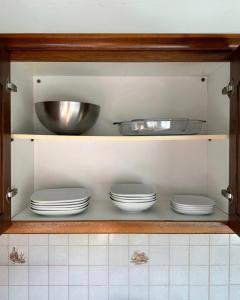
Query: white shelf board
{"points": [[101, 210], [120, 138]]}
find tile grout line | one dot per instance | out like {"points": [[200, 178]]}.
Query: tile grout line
{"points": [[128, 268], [68, 268], [88, 266], [229, 266], [189, 267], [28, 265], [148, 253], [169, 263], [108, 264], [48, 269], [209, 271]]}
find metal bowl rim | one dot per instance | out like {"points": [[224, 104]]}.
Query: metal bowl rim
{"points": [[63, 101]]}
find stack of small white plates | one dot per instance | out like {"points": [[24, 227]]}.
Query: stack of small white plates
{"points": [[192, 204], [133, 197], [59, 202]]}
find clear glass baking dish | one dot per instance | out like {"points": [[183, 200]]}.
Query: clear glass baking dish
{"points": [[175, 126]]}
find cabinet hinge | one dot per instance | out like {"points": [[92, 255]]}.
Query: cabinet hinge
{"points": [[11, 192], [11, 87], [229, 89], [226, 193]]}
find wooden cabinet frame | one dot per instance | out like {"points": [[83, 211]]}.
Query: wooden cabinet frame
{"points": [[119, 48]]}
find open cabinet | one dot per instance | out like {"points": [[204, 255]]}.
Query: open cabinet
{"points": [[130, 77]]}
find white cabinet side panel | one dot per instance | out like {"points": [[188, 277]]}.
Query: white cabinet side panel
{"points": [[173, 167], [22, 101], [218, 104], [218, 171], [127, 97], [22, 173]]}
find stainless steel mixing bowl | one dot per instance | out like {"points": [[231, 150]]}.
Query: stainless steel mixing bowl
{"points": [[67, 117]]}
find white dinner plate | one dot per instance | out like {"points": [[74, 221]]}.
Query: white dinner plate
{"points": [[133, 198], [192, 212], [133, 202], [61, 195], [58, 213], [47, 204], [58, 208], [132, 190]]}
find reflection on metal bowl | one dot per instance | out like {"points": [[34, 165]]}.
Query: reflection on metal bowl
{"points": [[67, 117]]}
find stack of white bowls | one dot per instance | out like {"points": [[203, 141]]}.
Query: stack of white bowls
{"points": [[59, 202], [133, 197], [192, 204]]}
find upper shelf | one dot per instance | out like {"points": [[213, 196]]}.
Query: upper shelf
{"points": [[120, 47], [120, 138]]}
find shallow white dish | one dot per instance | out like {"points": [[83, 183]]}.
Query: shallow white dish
{"points": [[61, 195], [125, 198], [192, 200], [132, 190], [58, 213], [54, 204], [133, 202], [134, 207], [193, 212]]}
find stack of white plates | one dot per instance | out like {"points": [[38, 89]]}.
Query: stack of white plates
{"points": [[133, 197], [192, 204], [58, 202]]}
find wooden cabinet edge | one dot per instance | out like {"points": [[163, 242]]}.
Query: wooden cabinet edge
{"points": [[119, 227]]}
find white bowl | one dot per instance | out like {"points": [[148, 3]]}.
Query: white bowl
{"points": [[133, 207]]}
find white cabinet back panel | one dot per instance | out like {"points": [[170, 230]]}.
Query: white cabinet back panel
{"points": [[127, 97], [173, 167]]}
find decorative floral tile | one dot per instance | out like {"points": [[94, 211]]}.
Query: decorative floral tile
{"points": [[17, 256], [139, 258]]}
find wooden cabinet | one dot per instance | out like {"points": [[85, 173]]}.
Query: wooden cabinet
{"points": [[140, 75]]}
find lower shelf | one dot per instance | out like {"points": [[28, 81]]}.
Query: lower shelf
{"points": [[103, 217]]}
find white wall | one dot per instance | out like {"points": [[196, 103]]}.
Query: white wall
{"points": [[157, 16]]}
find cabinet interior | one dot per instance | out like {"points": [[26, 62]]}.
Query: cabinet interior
{"points": [[124, 91]]}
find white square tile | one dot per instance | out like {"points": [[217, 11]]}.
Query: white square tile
{"points": [[158, 275], [235, 255], [179, 255], [159, 255], [18, 293], [38, 239], [234, 292], [118, 292], [138, 292], [18, 239], [58, 255], [138, 239], [199, 255], [58, 239], [78, 239], [78, 255], [199, 275], [20, 250], [98, 275], [98, 293], [4, 292], [198, 293], [138, 275], [4, 240], [234, 239], [219, 275], [158, 292], [219, 255], [118, 275], [179, 292], [118, 255], [3, 255], [179, 239], [159, 239], [219, 292], [199, 239], [98, 239], [38, 255], [235, 274], [179, 275], [219, 239], [38, 293], [78, 293], [118, 239], [18, 275], [58, 275], [3, 275], [98, 255], [38, 275], [58, 292], [78, 275]]}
